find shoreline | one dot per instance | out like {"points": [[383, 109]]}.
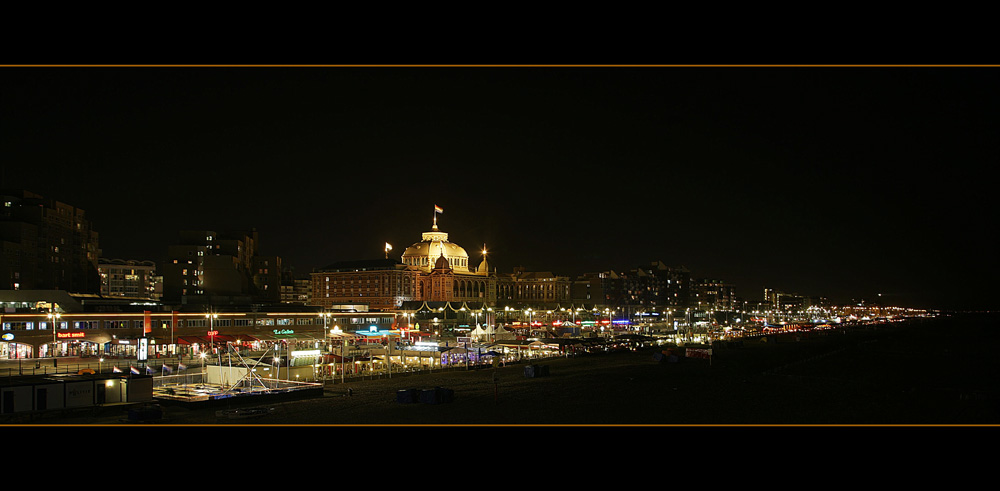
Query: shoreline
{"points": [[888, 375]]}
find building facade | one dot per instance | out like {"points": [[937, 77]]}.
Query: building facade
{"points": [[128, 279], [46, 244], [208, 267], [434, 270], [715, 294]]}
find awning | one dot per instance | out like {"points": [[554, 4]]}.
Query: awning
{"points": [[219, 339], [192, 340]]}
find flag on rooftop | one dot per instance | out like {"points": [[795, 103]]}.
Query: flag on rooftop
{"points": [[134, 370], [116, 370], [438, 209]]}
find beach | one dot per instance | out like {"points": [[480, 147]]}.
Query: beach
{"points": [[888, 375]]}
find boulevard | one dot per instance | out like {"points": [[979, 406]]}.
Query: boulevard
{"points": [[895, 375]]}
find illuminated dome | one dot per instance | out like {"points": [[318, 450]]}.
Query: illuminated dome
{"points": [[424, 254]]}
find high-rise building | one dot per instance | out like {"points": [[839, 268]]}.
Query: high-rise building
{"points": [[295, 290], [714, 294], [128, 278], [651, 288], [46, 245], [266, 279], [208, 267]]}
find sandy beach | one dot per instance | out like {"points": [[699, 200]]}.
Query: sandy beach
{"points": [[884, 376]]}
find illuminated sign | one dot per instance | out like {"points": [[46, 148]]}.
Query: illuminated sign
{"points": [[70, 335], [283, 331], [7, 336], [142, 352], [213, 333], [315, 352]]}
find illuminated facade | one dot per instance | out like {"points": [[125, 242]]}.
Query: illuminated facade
{"points": [[433, 270], [534, 288], [127, 278], [715, 295]]}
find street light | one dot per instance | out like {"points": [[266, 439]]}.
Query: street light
{"points": [[326, 317], [211, 327], [343, 352], [53, 319]]}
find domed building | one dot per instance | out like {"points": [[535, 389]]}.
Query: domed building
{"points": [[432, 270], [446, 275], [434, 245]]}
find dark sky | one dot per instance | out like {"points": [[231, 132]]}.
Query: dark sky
{"points": [[843, 182]]}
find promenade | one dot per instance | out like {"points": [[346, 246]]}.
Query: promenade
{"points": [[882, 376]]}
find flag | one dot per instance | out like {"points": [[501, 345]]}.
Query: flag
{"points": [[134, 370], [438, 209], [388, 247], [181, 367], [167, 369], [116, 370], [149, 370]]}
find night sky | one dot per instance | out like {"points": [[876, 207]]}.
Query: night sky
{"points": [[832, 181]]}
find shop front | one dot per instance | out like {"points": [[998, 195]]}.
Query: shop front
{"points": [[67, 344], [13, 351]]}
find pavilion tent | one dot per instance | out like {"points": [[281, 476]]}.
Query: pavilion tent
{"points": [[482, 331]]}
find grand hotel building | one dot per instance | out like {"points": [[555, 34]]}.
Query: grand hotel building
{"points": [[432, 270]]}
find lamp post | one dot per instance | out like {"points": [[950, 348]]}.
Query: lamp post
{"points": [[493, 317], [326, 317], [53, 319], [343, 352], [211, 316]]}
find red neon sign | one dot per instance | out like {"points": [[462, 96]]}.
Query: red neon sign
{"points": [[213, 333]]}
